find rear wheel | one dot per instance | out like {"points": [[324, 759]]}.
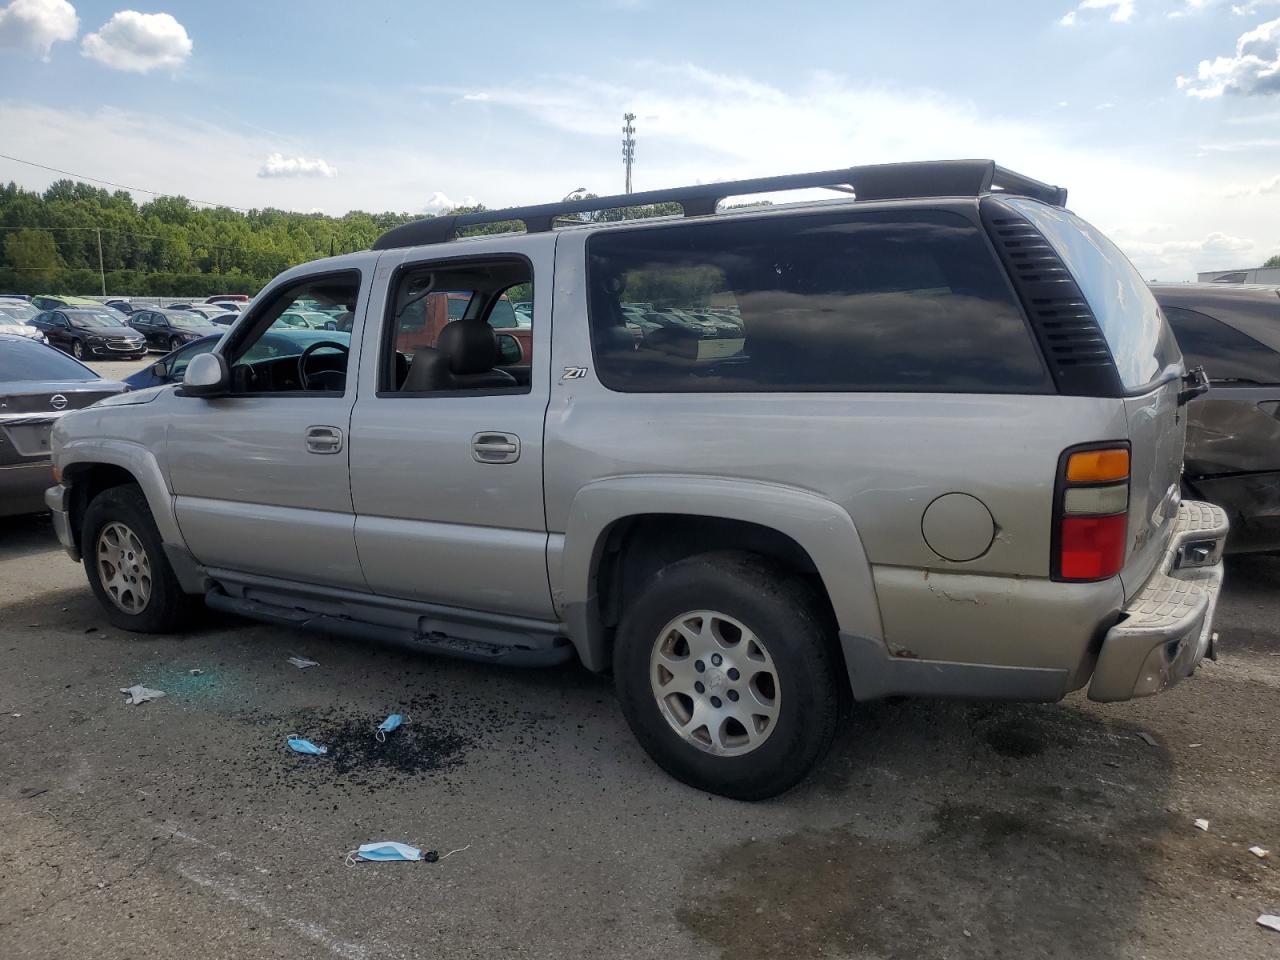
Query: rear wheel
{"points": [[126, 566], [725, 671], [77, 349], [174, 344]]}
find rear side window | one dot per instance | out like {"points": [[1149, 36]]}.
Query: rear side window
{"points": [[904, 301], [1128, 314], [1224, 352], [28, 360]]}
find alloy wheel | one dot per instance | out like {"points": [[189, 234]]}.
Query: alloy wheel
{"points": [[715, 683], [124, 569]]}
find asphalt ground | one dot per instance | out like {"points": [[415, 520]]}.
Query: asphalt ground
{"points": [[933, 829]]}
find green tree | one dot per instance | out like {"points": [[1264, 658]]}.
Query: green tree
{"points": [[1273, 261], [33, 255]]}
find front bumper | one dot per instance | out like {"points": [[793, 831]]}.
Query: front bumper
{"points": [[1166, 629], [56, 499]]}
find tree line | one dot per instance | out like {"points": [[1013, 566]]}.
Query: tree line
{"points": [[167, 247]]}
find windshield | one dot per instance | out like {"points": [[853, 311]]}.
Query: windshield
{"points": [[93, 318], [20, 312], [28, 360]]}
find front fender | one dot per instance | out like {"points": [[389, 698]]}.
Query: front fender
{"points": [[821, 527], [138, 461]]}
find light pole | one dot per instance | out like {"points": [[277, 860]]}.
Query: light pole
{"points": [[101, 272]]}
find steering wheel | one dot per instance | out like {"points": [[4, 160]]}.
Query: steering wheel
{"points": [[306, 355]]}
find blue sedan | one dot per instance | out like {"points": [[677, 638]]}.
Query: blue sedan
{"points": [[272, 345]]}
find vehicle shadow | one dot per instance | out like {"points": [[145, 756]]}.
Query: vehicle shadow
{"points": [[972, 830], [26, 535]]}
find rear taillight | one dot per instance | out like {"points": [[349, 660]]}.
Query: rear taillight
{"points": [[1090, 512]]}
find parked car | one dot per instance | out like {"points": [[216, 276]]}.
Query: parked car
{"points": [[15, 318], [124, 306], [272, 345], [37, 386], [15, 296], [228, 298], [942, 460], [209, 311], [90, 332], [166, 329], [1233, 433], [51, 302], [300, 319]]}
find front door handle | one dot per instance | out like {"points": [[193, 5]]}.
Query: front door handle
{"points": [[495, 448], [324, 439]]}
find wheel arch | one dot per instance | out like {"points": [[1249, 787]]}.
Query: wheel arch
{"points": [[88, 468], [621, 530]]}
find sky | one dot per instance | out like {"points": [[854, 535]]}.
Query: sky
{"points": [[1161, 117]]}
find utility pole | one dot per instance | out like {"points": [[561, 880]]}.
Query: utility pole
{"points": [[628, 145], [101, 272]]}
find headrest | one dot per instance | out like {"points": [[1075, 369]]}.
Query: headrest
{"points": [[470, 345]]}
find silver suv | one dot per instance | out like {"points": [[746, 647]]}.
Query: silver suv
{"points": [[759, 462]]}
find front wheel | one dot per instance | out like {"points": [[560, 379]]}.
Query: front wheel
{"points": [[174, 344], [727, 675], [126, 566], [77, 349]]}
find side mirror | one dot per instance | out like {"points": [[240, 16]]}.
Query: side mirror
{"points": [[509, 350], [206, 376], [159, 369]]}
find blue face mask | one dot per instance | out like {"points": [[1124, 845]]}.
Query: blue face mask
{"points": [[388, 725], [298, 745], [384, 850]]}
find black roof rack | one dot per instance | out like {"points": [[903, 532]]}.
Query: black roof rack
{"points": [[885, 181]]}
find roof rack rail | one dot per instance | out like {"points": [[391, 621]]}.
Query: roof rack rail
{"points": [[885, 181]]}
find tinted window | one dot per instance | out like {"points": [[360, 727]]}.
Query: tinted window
{"points": [[1223, 351], [92, 318], [1123, 305], [28, 360], [910, 301]]}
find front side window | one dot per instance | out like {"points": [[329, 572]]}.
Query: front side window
{"points": [[1121, 302], [318, 365], [847, 301], [178, 362], [1225, 353], [451, 328]]}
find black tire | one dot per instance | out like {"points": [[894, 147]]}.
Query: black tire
{"points": [[77, 349], [781, 609], [174, 344], [167, 608]]}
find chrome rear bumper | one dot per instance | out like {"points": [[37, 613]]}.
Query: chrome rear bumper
{"points": [[1166, 629]]}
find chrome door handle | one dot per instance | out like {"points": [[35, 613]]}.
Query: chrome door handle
{"points": [[324, 439], [495, 448]]}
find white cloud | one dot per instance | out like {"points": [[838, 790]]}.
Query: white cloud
{"points": [[36, 25], [438, 203], [1175, 259], [138, 42], [1121, 11], [278, 165], [1253, 71], [1105, 106], [1251, 7], [1270, 185]]}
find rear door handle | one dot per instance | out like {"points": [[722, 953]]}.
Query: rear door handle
{"points": [[495, 448], [324, 439]]}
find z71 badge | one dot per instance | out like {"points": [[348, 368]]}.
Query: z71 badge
{"points": [[574, 373]]}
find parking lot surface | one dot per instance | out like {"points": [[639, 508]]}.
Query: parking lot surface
{"points": [[934, 829]]}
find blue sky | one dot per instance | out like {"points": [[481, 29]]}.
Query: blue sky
{"points": [[410, 106]]}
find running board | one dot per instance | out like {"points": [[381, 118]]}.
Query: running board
{"points": [[555, 650]]}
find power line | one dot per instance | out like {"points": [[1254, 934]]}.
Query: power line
{"points": [[121, 186], [131, 233]]}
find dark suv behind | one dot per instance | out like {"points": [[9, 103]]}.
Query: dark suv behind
{"points": [[1233, 433]]}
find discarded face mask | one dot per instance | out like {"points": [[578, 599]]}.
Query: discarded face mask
{"points": [[302, 662], [299, 745], [384, 850], [140, 694], [387, 726]]}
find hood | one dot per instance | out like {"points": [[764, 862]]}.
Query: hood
{"points": [[133, 397]]}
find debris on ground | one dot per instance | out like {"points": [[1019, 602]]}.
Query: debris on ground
{"points": [[302, 662], [1260, 853], [299, 745], [1147, 738], [387, 726], [28, 793], [385, 850], [90, 629], [1270, 921], [140, 694], [195, 672], [1202, 824]]}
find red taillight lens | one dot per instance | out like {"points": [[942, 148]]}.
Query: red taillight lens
{"points": [[1092, 548], [1091, 512]]}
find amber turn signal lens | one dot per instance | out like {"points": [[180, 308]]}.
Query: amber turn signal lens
{"points": [[57, 475], [1095, 465]]}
